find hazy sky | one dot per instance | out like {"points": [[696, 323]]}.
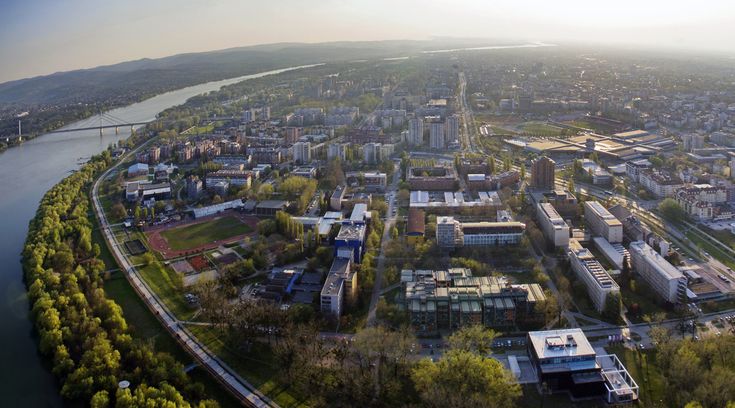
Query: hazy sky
{"points": [[45, 36]]}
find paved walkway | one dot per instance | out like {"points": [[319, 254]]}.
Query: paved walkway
{"points": [[244, 391]]}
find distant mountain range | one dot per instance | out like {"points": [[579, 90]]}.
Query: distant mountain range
{"points": [[131, 81]]}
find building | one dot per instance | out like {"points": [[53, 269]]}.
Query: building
{"points": [[452, 129], [193, 187], [436, 135], [233, 177], [691, 141], [439, 177], [451, 299], [350, 241], [634, 168], [665, 279], [269, 208], [144, 190], [302, 152], [415, 132], [454, 202], [565, 361], [554, 227], [216, 208], [416, 225], [138, 169], [704, 202], [335, 201], [660, 183], [543, 173], [340, 287], [601, 177], [602, 223], [337, 151], [451, 233], [374, 181], [367, 134], [598, 282], [372, 153]]}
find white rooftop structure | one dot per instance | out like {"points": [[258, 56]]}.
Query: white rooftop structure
{"points": [[560, 343]]}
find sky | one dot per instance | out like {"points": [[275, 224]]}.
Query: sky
{"points": [[39, 37]]}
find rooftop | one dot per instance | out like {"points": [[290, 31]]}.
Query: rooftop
{"points": [[560, 343], [654, 258]]}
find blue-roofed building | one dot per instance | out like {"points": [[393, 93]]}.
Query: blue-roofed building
{"points": [[350, 241]]}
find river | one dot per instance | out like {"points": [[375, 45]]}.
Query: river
{"points": [[28, 171]]}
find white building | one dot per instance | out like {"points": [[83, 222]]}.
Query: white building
{"points": [[340, 286], [302, 152], [415, 132], [436, 135], [634, 168], [665, 279], [704, 201], [660, 184], [452, 233], [553, 225], [598, 282], [603, 223]]}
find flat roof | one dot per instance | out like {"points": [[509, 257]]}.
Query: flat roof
{"points": [[655, 259], [560, 343]]}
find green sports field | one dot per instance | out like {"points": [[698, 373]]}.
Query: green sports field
{"points": [[192, 236]]}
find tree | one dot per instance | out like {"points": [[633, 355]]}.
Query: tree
{"points": [[476, 339], [464, 379], [118, 211], [671, 210], [611, 310]]}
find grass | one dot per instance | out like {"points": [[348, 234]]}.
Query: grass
{"points": [[165, 283], [539, 128], [192, 236], [257, 367], [642, 367], [714, 251]]}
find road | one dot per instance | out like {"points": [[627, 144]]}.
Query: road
{"points": [[468, 118], [390, 220], [240, 388]]}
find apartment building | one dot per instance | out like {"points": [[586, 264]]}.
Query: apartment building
{"points": [[660, 183]]}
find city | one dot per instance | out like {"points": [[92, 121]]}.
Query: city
{"points": [[443, 223]]}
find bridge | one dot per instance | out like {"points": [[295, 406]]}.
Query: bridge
{"points": [[101, 121]]}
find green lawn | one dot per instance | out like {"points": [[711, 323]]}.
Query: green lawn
{"points": [[257, 367], [192, 236], [642, 367], [165, 283]]}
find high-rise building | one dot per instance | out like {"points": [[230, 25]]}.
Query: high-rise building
{"points": [[452, 129], [337, 150], [302, 152], [372, 153], [598, 282], [543, 173], [452, 233], [436, 135], [416, 132]]}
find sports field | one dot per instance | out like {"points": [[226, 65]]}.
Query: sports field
{"points": [[196, 235]]}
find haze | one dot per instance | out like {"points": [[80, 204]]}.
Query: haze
{"points": [[46, 36]]}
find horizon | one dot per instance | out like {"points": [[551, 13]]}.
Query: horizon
{"points": [[57, 38]]}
